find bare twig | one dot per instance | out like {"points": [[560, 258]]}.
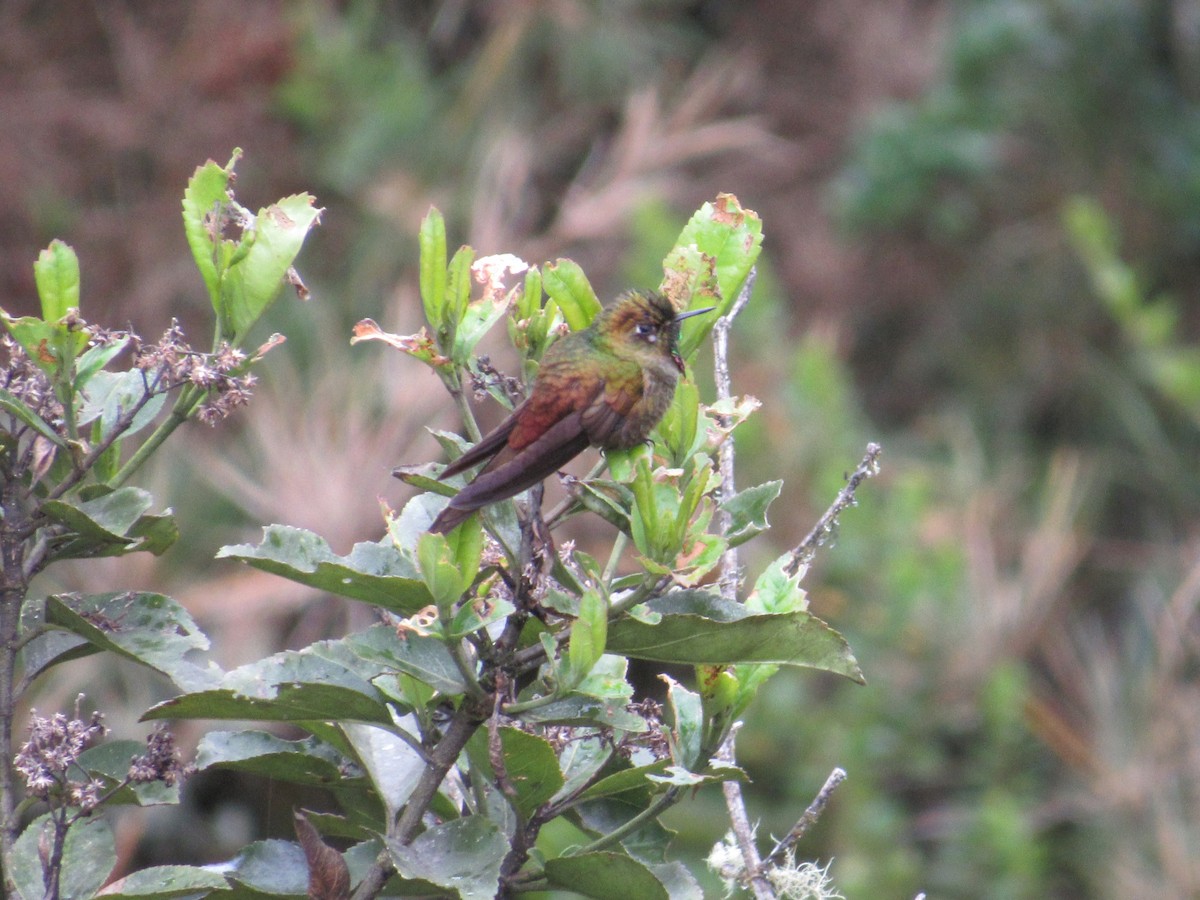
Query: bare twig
{"points": [[742, 829], [725, 453], [803, 553], [809, 818]]}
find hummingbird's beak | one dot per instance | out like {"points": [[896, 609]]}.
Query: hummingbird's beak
{"points": [[693, 312]]}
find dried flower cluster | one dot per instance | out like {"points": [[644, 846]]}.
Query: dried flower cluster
{"points": [[160, 762], [172, 362], [46, 759], [22, 378]]}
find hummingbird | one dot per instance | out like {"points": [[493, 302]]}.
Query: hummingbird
{"points": [[606, 386]]}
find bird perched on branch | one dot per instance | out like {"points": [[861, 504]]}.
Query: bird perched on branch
{"points": [[606, 386]]}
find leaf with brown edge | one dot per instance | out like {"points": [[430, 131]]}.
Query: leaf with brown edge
{"points": [[419, 345], [328, 874]]}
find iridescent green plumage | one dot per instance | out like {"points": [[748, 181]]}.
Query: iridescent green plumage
{"points": [[605, 386]]}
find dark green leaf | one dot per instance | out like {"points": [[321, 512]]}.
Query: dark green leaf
{"points": [[375, 573], [306, 761], [111, 524], [463, 855], [605, 876], [392, 765], [424, 657], [288, 687], [700, 627], [577, 709], [626, 780], [748, 511], [164, 882], [272, 867], [580, 761], [529, 762], [150, 629]]}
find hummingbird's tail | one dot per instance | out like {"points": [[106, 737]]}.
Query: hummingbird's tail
{"points": [[449, 519]]}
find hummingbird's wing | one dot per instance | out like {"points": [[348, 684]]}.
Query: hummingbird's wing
{"points": [[489, 445], [554, 425]]}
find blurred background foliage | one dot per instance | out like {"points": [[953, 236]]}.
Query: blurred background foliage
{"points": [[983, 223]]}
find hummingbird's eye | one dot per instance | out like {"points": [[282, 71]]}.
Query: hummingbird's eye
{"points": [[647, 331]]}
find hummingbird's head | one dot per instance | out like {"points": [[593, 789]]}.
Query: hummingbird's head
{"points": [[644, 326]]}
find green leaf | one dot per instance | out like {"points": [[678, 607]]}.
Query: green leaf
{"points": [[111, 524], [96, 359], [463, 855], [15, 407], [432, 241], [700, 627], [605, 876], [375, 573], [438, 570], [56, 273], [252, 284], [748, 511], [393, 766], [529, 762], [150, 629], [565, 283], [306, 761], [477, 321], [607, 499], [775, 591], [292, 686], [477, 614], [89, 854], [109, 395], [51, 345], [164, 882], [577, 709], [588, 635], [628, 780], [458, 286], [580, 761], [687, 724], [424, 657], [607, 680], [207, 192], [271, 867], [730, 237]]}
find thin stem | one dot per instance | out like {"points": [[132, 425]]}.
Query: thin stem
{"points": [[725, 453], [809, 819], [803, 552], [743, 831], [13, 588]]}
